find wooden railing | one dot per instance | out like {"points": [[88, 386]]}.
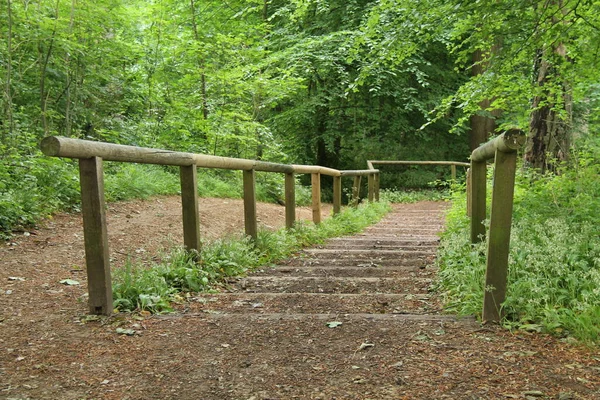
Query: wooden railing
{"points": [[452, 164], [503, 149], [92, 154], [375, 180]]}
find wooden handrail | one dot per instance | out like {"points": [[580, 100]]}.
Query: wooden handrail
{"points": [[452, 164], [371, 163], [503, 149], [91, 156]]}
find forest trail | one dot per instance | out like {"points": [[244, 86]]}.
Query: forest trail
{"points": [[354, 319]]}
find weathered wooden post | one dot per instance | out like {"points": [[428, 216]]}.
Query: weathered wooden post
{"points": [[95, 236], [189, 206], [356, 190], [371, 184], [337, 194], [316, 197], [453, 172], [503, 148], [250, 203], [478, 207], [469, 192], [290, 199], [377, 177]]}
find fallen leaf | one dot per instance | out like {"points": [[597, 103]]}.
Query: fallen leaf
{"points": [[128, 332], [365, 346], [69, 282], [334, 324], [90, 318], [16, 278], [520, 353], [534, 393]]}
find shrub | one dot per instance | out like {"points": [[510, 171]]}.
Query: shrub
{"points": [[554, 263], [153, 287]]}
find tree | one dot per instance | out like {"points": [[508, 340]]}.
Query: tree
{"points": [[539, 72]]}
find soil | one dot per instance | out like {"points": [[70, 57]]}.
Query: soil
{"points": [[358, 318]]}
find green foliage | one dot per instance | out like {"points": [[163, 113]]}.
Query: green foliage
{"points": [[554, 265], [35, 187], [139, 181], [32, 188], [413, 196], [154, 287], [355, 107]]}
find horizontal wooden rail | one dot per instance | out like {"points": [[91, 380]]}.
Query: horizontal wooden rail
{"points": [[452, 164], [92, 154], [56, 146], [371, 163], [503, 149], [362, 172], [508, 142]]}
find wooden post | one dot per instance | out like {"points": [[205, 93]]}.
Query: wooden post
{"points": [[469, 201], [316, 197], [250, 203], [189, 206], [478, 193], [290, 200], [371, 187], [337, 194], [95, 236], [499, 241], [453, 172], [356, 190], [377, 177]]}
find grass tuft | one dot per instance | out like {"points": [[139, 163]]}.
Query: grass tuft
{"points": [[155, 287], [554, 263]]}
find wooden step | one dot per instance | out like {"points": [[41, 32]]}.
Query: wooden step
{"points": [[366, 270], [314, 303], [301, 284]]}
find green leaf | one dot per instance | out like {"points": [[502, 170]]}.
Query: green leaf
{"points": [[128, 332]]}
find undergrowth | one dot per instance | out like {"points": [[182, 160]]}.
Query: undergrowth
{"points": [[34, 187], [414, 195], [554, 263], [154, 287]]}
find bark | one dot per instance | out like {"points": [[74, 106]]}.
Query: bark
{"points": [[549, 128], [8, 90], [70, 77], [201, 63], [481, 126], [550, 120], [44, 58]]}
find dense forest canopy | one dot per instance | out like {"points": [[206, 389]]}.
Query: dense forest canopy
{"points": [[331, 82]]}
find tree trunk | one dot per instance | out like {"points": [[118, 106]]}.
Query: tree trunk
{"points": [[549, 129], [70, 78], [481, 126], [8, 90], [549, 137], [44, 59], [201, 64]]}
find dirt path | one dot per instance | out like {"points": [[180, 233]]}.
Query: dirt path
{"points": [[356, 319]]}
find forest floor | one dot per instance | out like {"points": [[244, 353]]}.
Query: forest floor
{"points": [[357, 318]]}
